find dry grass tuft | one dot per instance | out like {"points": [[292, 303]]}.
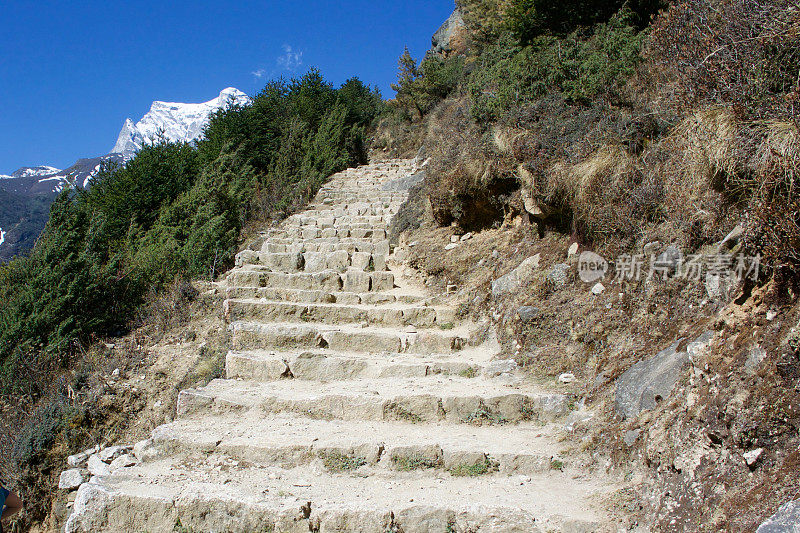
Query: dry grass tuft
{"points": [[708, 142], [505, 139], [604, 196]]}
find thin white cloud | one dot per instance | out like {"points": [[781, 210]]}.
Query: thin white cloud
{"points": [[291, 59], [259, 73]]}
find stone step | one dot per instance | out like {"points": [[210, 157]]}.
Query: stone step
{"points": [[363, 202], [378, 214], [351, 338], [364, 447], [364, 186], [356, 193], [370, 234], [356, 206], [218, 494], [329, 280], [345, 198], [323, 220], [385, 315], [295, 261], [342, 260], [328, 365], [323, 244], [314, 230], [453, 399], [320, 296]]}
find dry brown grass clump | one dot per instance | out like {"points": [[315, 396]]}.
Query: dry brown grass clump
{"points": [[597, 191], [720, 164]]}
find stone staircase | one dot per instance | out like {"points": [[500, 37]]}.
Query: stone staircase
{"points": [[353, 401]]}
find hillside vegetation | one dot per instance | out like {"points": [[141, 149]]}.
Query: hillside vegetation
{"points": [[629, 129], [174, 212], [593, 112], [658, 129]]}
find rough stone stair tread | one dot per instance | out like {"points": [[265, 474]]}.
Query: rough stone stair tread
{"points": [[503, 503], [330, 365], [362, 307], [460, 331], [317, 296], [220, 433], [246, 392], [476, 356]]}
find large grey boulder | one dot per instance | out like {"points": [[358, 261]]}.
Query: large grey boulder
{"points": [[441, 41], [70, 479], [405, 183], [89, 510], [648, 382], [512, 281], [786, 520]]}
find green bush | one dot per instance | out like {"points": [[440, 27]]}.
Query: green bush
{"points": [[45, 425], [529, 19], [508, 76], [420, 88]]}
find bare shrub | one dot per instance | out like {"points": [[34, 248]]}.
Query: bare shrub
{"points": [[743, 53], [773, 224], [168, 309], [606, 194], [720, 163]]}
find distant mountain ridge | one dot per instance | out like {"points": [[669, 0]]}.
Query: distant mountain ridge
{"points": [[25, 194]]}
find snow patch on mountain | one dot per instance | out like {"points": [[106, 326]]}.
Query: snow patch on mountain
{"points": [[59, 182], [2, 236], [31, 172], [91, 175], [43, 170], [176, 121]]}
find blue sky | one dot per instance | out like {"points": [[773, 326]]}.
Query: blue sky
{"points": [[71, 72]]}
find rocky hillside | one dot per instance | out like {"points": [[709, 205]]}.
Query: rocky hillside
{"points": [[623, 212]]}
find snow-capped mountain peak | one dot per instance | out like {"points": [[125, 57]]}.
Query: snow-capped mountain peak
{"points": [[129, 140], [177, 122]]}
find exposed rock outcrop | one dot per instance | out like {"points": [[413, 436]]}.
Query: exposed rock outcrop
{"points": [[450, 37]]}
